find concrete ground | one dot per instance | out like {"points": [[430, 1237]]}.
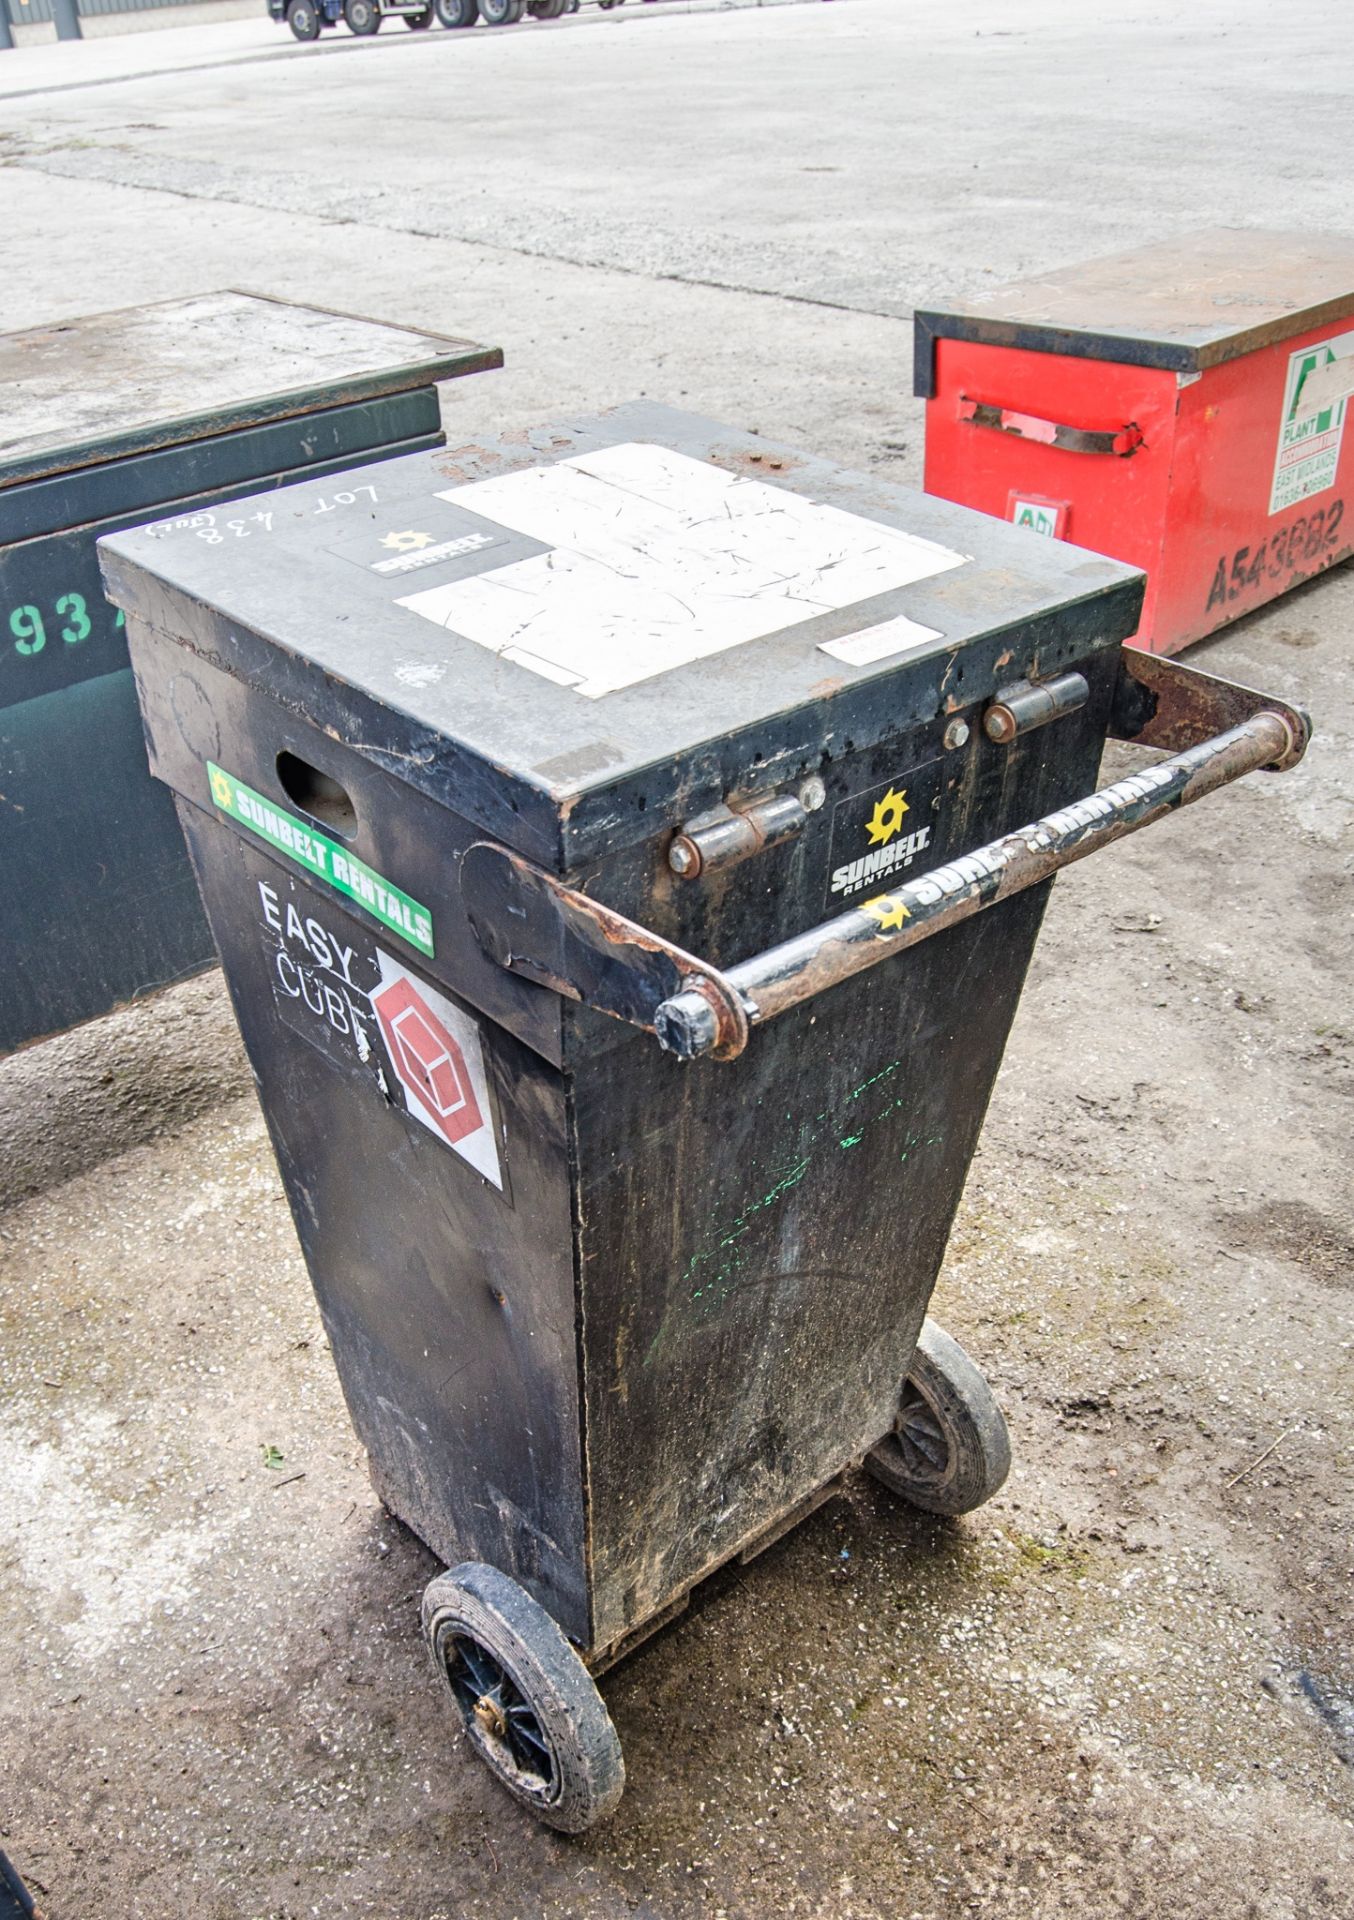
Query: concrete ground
{"points": [[1127, 1686]]}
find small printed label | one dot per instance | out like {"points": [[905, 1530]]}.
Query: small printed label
{"points": [[1048, 517], [890, 637], [879, 835], [368, 1015], [430, 533], [323, 857], [1311, 427], [414, 550]]}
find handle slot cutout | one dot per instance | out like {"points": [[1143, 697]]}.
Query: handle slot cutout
{"points": [[318, 794]]}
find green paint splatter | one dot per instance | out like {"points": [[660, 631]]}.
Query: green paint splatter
{"points": [[874, 1078], [741, 1223], [719, 1264]]}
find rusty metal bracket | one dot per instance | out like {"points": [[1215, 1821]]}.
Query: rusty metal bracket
{"points": [[1164, 704], [784, 976], [531, 923]]}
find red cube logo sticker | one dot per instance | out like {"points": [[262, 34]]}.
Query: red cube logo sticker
{"points": [[428, 1059], [434, 1049]]}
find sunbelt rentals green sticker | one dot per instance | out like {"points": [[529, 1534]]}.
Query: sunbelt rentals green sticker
{"points": [[323, 857]]}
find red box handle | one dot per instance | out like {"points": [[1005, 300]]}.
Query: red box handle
{"points": [[1051, 433]]}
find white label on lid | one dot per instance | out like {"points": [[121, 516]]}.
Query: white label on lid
{"points": [[900, 635], [656, 560]]}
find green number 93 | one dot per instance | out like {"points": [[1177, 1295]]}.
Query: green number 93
{"points": [[30, 632]]}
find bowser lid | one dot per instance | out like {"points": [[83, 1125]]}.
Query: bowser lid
{"points": [[106, 386], [1186, 303], [563, 634]]}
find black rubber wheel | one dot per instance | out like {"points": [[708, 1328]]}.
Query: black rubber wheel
{"points": [[416, 22], [529, 1706], [546, 9], [362, 17], [457, 13], [949, 1450], [303, 17], [501, 13]]}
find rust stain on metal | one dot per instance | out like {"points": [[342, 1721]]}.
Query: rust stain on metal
{"points": [[733, 831], [465, 463], [697, 1009], [772, 460], [1179, 707], [620, 932], [534, 925]]}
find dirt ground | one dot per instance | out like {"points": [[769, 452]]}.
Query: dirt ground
{"points": [[1126, 1687]]}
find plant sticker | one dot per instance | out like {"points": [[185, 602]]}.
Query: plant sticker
{"points": [[1311, 427]]}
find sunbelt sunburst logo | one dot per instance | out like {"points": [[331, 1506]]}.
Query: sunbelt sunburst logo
{"points": [[887, 818], [887, 828]]}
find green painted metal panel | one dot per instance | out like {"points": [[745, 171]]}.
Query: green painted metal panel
{"points": [[162, 413]]}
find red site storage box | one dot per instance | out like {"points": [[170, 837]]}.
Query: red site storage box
{"points": [[1181, 407]]}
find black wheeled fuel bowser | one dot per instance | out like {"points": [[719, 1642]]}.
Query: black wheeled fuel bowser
{"points": [[625, 844]]}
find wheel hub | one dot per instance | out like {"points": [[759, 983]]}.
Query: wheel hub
{"points": [[490, 1716], [921, 1436], [499, 1716]]}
